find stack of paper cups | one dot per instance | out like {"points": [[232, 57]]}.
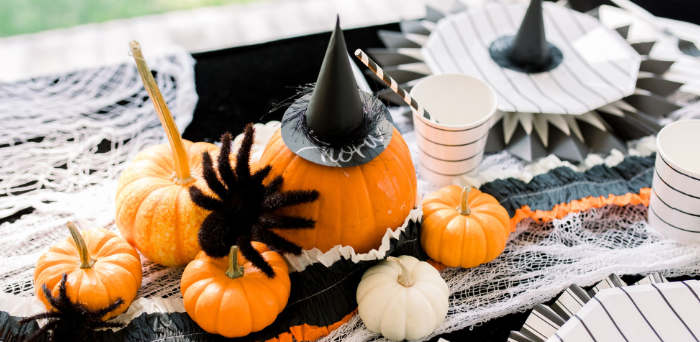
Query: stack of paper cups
{"points": [[674, 207], [451, 143]]}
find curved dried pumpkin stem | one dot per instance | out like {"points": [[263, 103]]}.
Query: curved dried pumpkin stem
{"points": [[234, 270], [85, 260], [404, 278], [464, 203], [182, 168]]}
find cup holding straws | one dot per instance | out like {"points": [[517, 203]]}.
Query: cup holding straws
{"points": [[452, 115], [451, 143]]}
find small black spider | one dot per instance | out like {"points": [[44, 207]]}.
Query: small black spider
{"points": [[71, 321], [245, 208]]}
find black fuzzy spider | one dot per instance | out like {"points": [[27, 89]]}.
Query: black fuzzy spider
{"points": [[71, 321], [245, 208]]}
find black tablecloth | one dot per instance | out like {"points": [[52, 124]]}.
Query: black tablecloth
{"points": [[246, 84]]}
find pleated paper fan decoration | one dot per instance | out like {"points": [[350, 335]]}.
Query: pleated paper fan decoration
{"points": [[602, 93], [595, 65], [651, 309]]}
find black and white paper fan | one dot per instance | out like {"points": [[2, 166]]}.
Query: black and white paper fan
{"points": [[544, 321], [621, 103], [597, 66]]}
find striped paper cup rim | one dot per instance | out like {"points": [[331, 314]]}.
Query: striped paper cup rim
{"points": [[667, 159], [452, 127]]}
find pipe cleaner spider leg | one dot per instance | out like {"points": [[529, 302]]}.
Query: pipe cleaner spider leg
{"points": [[278, 242], [70, 321], [204, 201], [287, 198], [210, 177], [246, 248], [285, 222], [244, 209], [243, 158], [274, 186], [224, 163]]}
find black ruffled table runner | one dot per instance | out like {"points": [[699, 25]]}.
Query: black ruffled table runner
{"points": [[232, 93]]}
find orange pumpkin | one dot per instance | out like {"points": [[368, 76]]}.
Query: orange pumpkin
{"points": [[100, 266], [463, 227], [231, 299], [153, 207], [356, 204]]}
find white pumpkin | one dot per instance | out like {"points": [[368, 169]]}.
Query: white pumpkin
{"points": [[402, 298]]}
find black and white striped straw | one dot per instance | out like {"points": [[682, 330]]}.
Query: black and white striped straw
{"points": [[390, 82]]}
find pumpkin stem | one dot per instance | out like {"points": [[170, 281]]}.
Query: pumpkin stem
{"points": [[182, 168], [404, 278], [85, 260], [464, 203], [234, 270]]}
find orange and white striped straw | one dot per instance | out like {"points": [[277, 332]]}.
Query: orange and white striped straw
{"points": [[390, 82]]}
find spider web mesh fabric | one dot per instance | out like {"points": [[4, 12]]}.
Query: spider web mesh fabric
{"points": [[541, 260], [63, 141]]}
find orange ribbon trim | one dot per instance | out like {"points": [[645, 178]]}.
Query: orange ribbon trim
{"points": [[306, 332], [561, 210]]}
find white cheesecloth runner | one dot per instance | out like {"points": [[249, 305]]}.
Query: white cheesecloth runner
{"points": [[64, 139]]}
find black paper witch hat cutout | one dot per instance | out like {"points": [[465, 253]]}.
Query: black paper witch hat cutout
{"points": [[528, 51], [336, 91], [337, 124]]}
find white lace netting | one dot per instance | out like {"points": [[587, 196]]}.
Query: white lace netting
{"points": [[93, 121], [63, 141], [541, 260]]}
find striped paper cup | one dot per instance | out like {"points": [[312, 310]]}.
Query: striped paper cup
{"points": [[674, 207], [452, 142]]}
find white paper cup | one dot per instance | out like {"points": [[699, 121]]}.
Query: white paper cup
{"points": [[674, 206], [452, 142]]}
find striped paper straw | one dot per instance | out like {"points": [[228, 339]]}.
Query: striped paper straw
{"points": [[390, 82]]}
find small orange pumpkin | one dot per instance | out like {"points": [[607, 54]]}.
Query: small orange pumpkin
{"points": [[463, 227], [153, 207], [231, 299], [356, 204], [100, 266]]}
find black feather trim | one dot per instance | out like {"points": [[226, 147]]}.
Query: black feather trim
{"points": [[372, 111]]}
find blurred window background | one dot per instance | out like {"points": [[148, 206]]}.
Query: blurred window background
{"points": [[29, 16]]}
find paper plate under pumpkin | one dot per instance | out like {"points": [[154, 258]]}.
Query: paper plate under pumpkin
{"points": [[342, 142], [402, 298], [463, 227], [100, 269], [153, 208]]}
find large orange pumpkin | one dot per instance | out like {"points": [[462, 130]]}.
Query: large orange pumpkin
{"points": [[231, 298], [100, 266], [463, 227], [153, 207], [356, 204]]}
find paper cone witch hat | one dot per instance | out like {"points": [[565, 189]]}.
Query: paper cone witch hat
{"points": [[528, 50], [337, 117], [336, 92]]}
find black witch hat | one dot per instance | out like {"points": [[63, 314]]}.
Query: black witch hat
{"points": [[527, 51], [337, 124]]}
